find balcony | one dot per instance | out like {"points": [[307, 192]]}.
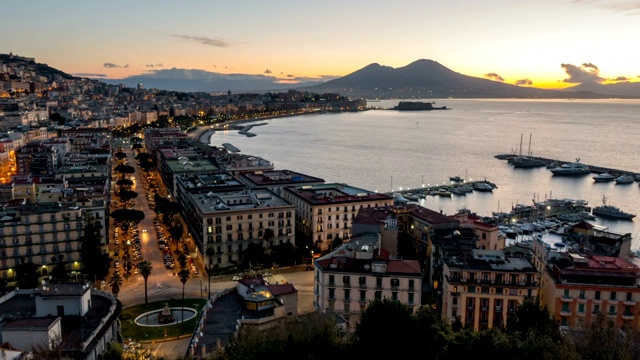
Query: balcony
{"points": [[582, 299], [565, 312], [363, 286], [628, 316], [566, 299], [629, 302]]}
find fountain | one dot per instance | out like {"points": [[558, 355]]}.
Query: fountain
{"points": [[165, 316]]}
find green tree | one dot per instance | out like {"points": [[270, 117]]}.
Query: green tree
{"points": [[531, 316], [115, 282], [126, 195], [120, 155], [184, 276], [125, 183], [386, 321], [27, 274], [145, 270], [124, 169], [95, 262]]}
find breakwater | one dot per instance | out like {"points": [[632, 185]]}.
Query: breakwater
{"points": [[556, 162]]}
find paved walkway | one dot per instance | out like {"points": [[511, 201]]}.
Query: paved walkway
{"points": [[219, 324]]}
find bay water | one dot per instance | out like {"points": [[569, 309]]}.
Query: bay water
{"points": [[388, 150]]}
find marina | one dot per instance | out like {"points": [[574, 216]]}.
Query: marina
{"points": [[554, 163]]}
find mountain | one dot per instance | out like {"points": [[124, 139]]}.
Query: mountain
{"points": [[193, 80], [429, 79], [621, 89]]}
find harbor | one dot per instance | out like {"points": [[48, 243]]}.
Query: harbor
{"points": [[550, 163]]}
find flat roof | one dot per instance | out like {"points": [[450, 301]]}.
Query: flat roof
{"points": [[237, 200], [335, 193], [279, 177]]}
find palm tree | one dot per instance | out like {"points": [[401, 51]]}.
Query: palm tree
{"points": [[115, 282], [209, 251], [184, 276], [145, 270]]}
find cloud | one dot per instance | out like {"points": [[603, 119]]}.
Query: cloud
{"points": [[267, 71], [90, 75], [586, 72], [621, 78], [154, 65], [494, 76], [631, 7], [524, 82], [217, 42], [112, 65], [292, 79], [290, 76]]}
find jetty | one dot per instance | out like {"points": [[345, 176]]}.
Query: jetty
{"points": [[594, 169]]}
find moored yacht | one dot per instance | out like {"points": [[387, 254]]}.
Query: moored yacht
{"points": [[574, 168], [603, 177]]}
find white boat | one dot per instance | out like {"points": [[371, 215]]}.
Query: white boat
{"points": [[399, 199], [625, 179], [411, 196], [574, 168], [444, 192], [482, 186], [459, 190], [604, 177]]}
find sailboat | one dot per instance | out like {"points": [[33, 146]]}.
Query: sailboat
{"points": [[528, 161]]}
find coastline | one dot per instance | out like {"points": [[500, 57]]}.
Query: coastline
{"points": [[204, 133]]}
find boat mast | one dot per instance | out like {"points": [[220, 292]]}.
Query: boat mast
{"points": [[520, 145], [529, 152]]}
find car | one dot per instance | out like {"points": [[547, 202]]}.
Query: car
{"points": [[117, 242], [116, 264], [236, 278], [162, 247], [136, 270]]}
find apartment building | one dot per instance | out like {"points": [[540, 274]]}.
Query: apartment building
{"points": [[576, 286], [482, 287], [325, 211], [43, 234], [277, 180], [231, 219], [360, 271]]}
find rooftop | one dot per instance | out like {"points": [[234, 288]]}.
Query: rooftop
{"points": [[336, 193], [237, 200], [264, 178]]}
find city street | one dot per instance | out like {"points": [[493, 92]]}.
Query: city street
{"points": [[163, 283]]}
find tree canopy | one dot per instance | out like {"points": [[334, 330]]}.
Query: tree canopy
{"points": [[96, 263]]}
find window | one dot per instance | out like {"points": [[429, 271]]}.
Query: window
{"points": [[498, 304], [332, 293], [379, 283], [411, 282], [362, 281], [629, 296], [484, 304], [581, 308], [395, 283], [347, 294], [485, 289], [565, 307], [472, 289], [613, 295], [346, 280], [471, 303], [363, 295], [394, 295], [582, 295], [612, 309], [331, 279], [209, 230], [410, 298], [596, 309], [378, 295], [566, 293], [597, 295]]}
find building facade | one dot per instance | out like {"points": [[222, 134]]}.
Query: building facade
{"points": [[484, 287]]}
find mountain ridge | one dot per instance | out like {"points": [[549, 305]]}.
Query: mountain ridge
{"points": [[422, 78]]}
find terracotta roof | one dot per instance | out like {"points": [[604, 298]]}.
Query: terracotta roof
{"points": [[282, 289]]}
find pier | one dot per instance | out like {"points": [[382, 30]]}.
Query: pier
{"points": [[594, 169]]}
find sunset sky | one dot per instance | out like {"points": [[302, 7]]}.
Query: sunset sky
{"points": [[543, 43]]}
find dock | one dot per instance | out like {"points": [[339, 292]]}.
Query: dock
{"points": [[594, 169]]}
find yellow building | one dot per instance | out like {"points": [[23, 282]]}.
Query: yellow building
{"points": [[325, 211], [360, 271], [482, 287]]}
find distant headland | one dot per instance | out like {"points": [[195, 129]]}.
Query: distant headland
{"points": [[417, 105]]}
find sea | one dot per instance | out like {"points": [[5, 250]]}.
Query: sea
{"points": [[386, 151]]}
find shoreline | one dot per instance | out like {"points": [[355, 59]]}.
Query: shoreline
{"points": [[204, 133]]}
